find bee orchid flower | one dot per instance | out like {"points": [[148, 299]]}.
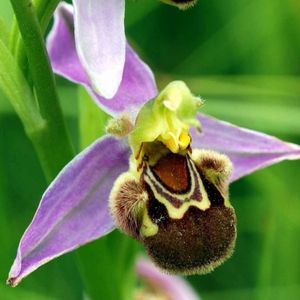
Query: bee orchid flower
{"points": [[162, 185]]}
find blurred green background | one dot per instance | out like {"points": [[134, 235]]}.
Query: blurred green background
{"points": [[243, 58]]}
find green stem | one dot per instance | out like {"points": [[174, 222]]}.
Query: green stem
{"points": [[52, 143], [44, 10]]}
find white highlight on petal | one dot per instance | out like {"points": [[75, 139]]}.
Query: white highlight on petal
{"points": [[100, 42]]}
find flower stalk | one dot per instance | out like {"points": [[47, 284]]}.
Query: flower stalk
{"points": [[52, 142], [44, 10]]}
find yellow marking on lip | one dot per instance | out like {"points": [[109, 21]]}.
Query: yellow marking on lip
{"points": [[148, 228], [227, 203]]}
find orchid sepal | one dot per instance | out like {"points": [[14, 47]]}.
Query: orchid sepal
{"points": [[73, 211]]}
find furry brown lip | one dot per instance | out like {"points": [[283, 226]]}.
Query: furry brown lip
{"points": [[179, 211]]}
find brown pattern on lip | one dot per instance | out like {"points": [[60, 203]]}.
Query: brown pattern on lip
{"points": [[173, 172], [178, 165]]}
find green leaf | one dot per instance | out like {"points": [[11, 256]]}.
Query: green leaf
{"points": [[6, 12], [8, 293], [107, 267], [276, 292], [280, 244], [4, 36], [15, 87]]}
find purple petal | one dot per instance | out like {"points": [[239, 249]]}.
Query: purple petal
{"points": [[137, 86], [61, 45], [74, 209], [248, 150], [100, 42], [174, 287]]}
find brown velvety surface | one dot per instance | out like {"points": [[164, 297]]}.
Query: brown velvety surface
{"points": [[197, 243]]}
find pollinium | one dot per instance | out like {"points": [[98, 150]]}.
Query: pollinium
{"points": [[178, 208]]}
